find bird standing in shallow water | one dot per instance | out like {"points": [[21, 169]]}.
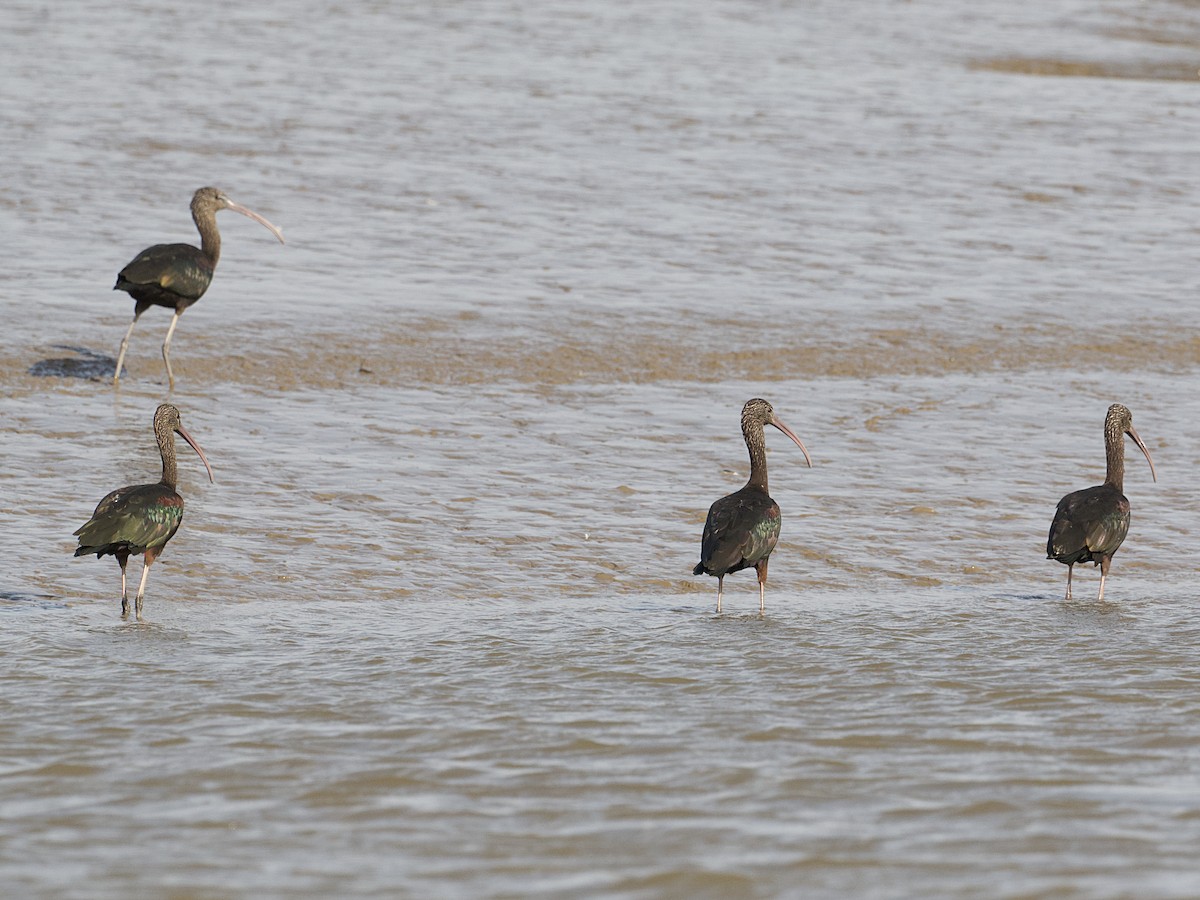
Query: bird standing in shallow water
{"points": [[177, 275], [743, 528], [1091, 524], [141, 518]]}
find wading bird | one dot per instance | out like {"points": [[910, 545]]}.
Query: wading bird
{"points": [[1091, 524], [141, 518], [177, 275], [743, 528]]}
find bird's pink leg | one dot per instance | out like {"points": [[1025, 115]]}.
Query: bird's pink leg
{"points": [[125, 345], [720, 591], [761, 568], [1070, 569], [124, 593], [142, 584], [166, 350], [122, 557], [1105, 562]]}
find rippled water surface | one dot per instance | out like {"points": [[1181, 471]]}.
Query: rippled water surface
{"points": [[433, 631]]}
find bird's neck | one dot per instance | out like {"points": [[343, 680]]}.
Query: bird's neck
{"points": [[166, 448], [1114, 449], [210, 238], [756, 444]]}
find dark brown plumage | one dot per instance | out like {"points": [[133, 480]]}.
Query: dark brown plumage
{"points": [[743, 527], [1092, 523], [177, 275], [141, 518]]}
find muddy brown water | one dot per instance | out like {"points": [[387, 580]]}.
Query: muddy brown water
{"points": [[432, 632]]}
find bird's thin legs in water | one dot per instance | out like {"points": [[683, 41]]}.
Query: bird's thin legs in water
{"points": [[1105, 562], [141, 589], [720, 592], [1070, 569], [125, 346], [761, 568], [124, 591], [166, 350]]}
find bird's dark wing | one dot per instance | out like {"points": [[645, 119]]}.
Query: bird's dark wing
{"points": [[178, 268], [1089, 523], [112, 501], [132, 518], [741, 530]]}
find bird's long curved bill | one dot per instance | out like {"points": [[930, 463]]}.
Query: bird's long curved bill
{"points": [[792, 435], [261, 220], [1146, 453], [204, 459]]}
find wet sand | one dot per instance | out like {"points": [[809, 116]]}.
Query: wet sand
{"points": [[585, 349]]}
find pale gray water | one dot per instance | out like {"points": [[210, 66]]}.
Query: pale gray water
{"points": [[433, 632]]}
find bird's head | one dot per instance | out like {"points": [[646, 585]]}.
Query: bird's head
{"points": [[1117, 424], [208, 201], [758, 413], [167, 421]]}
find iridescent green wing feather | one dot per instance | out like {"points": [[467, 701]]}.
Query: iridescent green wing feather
{"points": [[741, 530], [133, 518]]}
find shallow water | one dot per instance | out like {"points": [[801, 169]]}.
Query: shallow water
{"points": [[433, 632]]}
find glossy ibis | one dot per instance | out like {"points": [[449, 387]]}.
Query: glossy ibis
{"points": [[177, 275], [1091, 524], [743, 528], [141, 518]]}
